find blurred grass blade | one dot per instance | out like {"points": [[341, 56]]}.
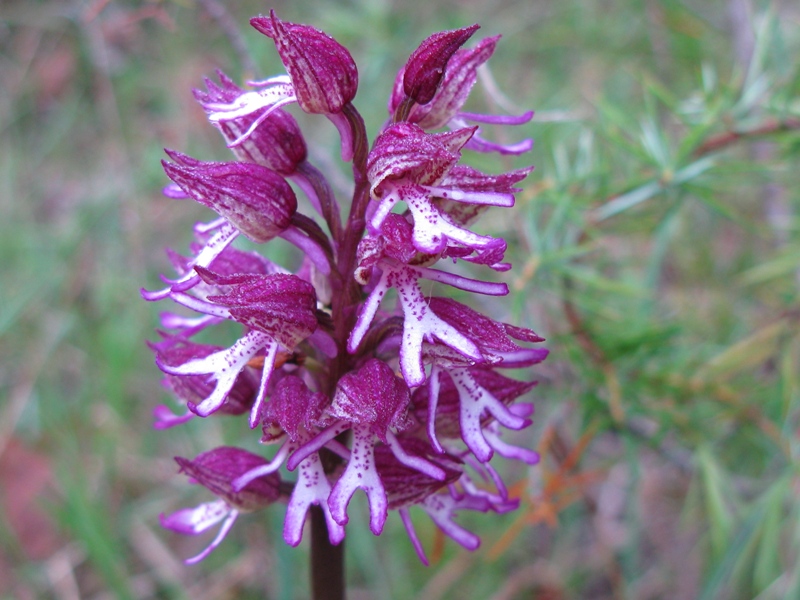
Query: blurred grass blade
{"points": [[767, 563], [715, 491], [648, 190], [744, 354], [628, 200], [787, 262], [720, 580]]}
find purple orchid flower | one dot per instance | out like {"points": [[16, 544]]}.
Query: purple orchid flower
{"points": [[273, 140], [372, 403], [280, 312], [406, 164], [420, 323], [276, 142]]}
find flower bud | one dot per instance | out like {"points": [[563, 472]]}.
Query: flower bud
{"points": [[323, 73], [426, 65], [276, 142], [254, 199]]}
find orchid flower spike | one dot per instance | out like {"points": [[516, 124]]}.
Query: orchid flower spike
{"points": [[349, 359]]}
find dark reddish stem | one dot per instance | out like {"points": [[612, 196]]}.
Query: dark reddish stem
{"points": [[344, 306], [327, 561]]}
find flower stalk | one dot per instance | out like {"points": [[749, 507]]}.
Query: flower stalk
{"points": [[402, 401]]}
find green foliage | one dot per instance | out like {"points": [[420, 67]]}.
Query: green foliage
{"points": [[655, 246]]}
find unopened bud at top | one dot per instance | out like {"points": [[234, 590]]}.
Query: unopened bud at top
{"points": [[426, 66], [459, 78], [323, 73]]}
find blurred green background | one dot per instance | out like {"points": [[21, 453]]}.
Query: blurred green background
{"points": [[656, 246]]}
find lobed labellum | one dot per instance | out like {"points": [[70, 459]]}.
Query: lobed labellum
{"points": [[462, 403]]}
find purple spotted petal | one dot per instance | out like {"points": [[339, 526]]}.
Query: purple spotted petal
{"points": [[372, 396], [282, 306], [218, 468]]}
